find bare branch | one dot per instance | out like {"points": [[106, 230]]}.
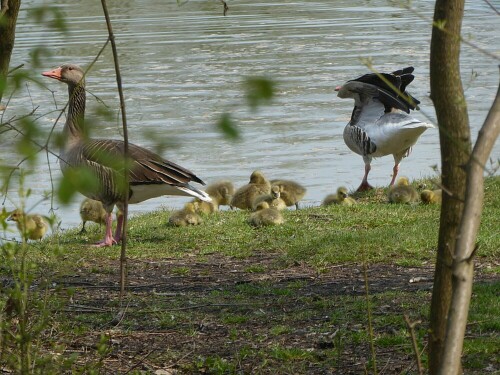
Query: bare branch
{"points": [[123, 258], [411, 326], [463, 266]]}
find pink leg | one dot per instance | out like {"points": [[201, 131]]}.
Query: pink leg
{"points": [[108, 238], [364, 183], [119, 227], [395, 171]]}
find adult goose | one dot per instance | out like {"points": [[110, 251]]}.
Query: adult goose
{"points": [[149, 174], [380, 124]]}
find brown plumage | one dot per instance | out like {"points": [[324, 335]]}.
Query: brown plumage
{"points": [[341, 197], [103, 159], [265, 216], [402, 192], [431, 196], [30, 226], [245, 195], [290, 191]]}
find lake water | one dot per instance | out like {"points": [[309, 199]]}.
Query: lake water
{"points": [[183, 66]]}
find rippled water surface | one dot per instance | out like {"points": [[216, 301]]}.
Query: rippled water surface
{"points": [[183, 66]]}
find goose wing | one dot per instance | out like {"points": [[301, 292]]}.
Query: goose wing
{"points": [[146, 167], [392, 88]]}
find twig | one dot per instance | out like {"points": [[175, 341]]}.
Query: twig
{"points": [[411, 326], [368, 310], [226, 8], [123, 255], [141, 361]]}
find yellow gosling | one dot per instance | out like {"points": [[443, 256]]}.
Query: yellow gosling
{"points": [[31, 227], [265, 216], [431, 196], [245, 195], [186, 216], [402, 192], [92, 210], [221, 191], [291, 192], [205, 208], [341, 197], [272, 199]]}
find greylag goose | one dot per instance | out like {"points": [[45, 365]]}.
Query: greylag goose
{"points": [[341, 197], [379, 125], [149, 175], [92, 210], [245, 195], [186, 216], [431, 196], [221, 191], [31, 227], [290, 191], [274, 200], [402, 192], [265, 215]]}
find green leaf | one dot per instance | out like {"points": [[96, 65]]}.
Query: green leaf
{"points": [[227, 127], [259, 90], [76, 180]]}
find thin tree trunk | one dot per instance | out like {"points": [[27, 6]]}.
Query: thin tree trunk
{"points": [[454, 134], [463, 266], [9, 9]]}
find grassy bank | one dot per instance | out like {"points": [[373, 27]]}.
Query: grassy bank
{"points": [[224, 297]]}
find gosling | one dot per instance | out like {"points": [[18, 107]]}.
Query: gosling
{"points": [[31, 227], [221, 192], [92, 210], [291, 192], [342, 198], [265, 216], [431, 196], [402, 192], [274, 200], [245, 195], [186, 216]]}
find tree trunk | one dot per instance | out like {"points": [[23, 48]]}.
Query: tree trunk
{"points": [[463, 266], [9, 9], [454, 135]]}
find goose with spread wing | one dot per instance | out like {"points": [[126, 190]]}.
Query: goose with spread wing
{"points": [[149, 174], [380, 123]]}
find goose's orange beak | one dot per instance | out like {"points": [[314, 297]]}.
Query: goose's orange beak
{"points": [[56, 74]]}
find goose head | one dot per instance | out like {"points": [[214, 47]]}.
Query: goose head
{"points": [[342, 192], [17, 215], [70, 74]]}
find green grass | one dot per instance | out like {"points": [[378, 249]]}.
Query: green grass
{"points": [[230, 298]]}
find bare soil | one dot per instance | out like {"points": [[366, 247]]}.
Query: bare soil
{"points": [[255, 315]]}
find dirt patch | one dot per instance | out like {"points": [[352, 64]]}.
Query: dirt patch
{"points": [[245, 316]]}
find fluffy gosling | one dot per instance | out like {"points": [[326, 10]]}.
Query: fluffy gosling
{"points": [[291, 192], [31, 227], [274, 200], [205, 208], [92, 210], [265, 216], [245, 195], [431, 196], [402, 192], [186, 216], [341, 197], [221, 192]]}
